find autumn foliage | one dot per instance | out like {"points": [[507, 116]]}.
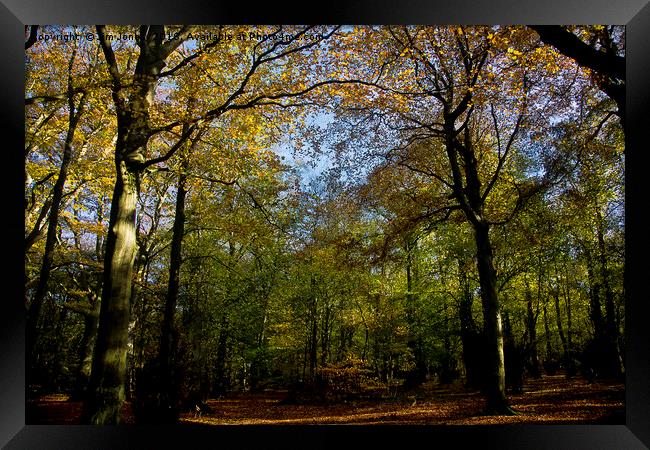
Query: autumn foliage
{"points": [[323, 216]]}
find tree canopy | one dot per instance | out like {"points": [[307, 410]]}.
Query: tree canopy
{"points": [[218, 209]]}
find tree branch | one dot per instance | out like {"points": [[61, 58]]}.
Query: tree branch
{"points": [[33, 35], [570, 45]]}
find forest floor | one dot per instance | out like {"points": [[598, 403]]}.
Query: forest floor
{"points": [[549, 400]]}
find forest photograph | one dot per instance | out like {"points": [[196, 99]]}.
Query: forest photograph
{"points": [[299, 225]]}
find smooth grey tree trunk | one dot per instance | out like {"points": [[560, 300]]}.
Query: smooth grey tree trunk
{"points": [[106, 391]]}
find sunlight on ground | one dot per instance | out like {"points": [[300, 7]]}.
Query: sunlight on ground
{"points": [[548, 400]]}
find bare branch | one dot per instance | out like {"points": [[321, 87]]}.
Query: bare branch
{"points": [[171, 45], [214, 180], [186, 134]]}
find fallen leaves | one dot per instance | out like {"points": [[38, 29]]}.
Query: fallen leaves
{"points": [[549, 400]]}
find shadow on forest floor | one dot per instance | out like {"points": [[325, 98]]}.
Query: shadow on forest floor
{"points": [[549, 400]]}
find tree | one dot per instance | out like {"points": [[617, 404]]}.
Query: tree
{"points": [[76, 106], [450, 62], [603, 53], [132, 104]]}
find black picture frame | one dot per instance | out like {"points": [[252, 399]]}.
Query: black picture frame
{"points": [[635, 14]]}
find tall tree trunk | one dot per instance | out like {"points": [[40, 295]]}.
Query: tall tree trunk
{"points": [[325, 341], [132, 102], [568, 361], [313, 330], [304, 360], [448, 364], [221, 383], [569, 324], [91, 317], [612, 354], [86, 352], [531, 331], [168, 385], [595, 311], [34, 311], [106, 391], [313, 346], [414, 343], [547, 332], [469, 334], [495, 389], [467, 190]]}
